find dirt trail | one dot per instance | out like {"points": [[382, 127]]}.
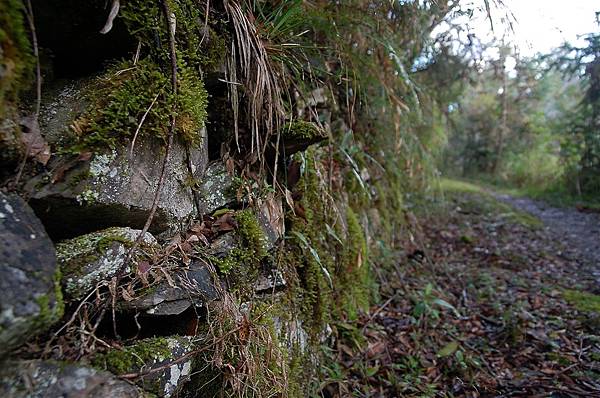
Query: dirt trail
{"points": [[486, 304], [579, 231]]}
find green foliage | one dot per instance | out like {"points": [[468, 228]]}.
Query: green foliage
{"points": [[583, 301], [198, 46], [534, 127], [135, 357]]}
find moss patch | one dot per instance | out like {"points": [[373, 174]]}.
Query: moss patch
{"points": [[127, 92], [583, 301], [251, 244], [143, 353], [302, 130], [16, 61]]}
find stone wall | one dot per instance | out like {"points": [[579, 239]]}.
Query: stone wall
{"points": [[257, 236]]}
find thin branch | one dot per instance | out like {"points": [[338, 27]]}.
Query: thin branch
{"points": [[137, 130]]}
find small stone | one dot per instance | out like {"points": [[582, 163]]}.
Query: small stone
{"points": [[271, 219], [273, 281], [91, 259], [193, 286], [222, 245]]}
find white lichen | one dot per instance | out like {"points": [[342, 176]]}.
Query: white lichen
{"points": [[100, 165], [104, 268]]}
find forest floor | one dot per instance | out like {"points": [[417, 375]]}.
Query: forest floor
{"points": [[487, 300]]}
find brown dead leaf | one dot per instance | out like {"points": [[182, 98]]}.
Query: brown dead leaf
{"points": [[375, 349], [143, 267], [230, 165], [225, 223], [32, 139], [84, 156]]}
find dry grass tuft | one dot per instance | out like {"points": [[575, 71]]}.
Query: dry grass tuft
{"points": [[263, 94]]}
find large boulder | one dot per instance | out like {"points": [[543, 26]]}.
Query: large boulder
{"points": [[163, 364], [91, 259], [31, 298], [42, 379]]}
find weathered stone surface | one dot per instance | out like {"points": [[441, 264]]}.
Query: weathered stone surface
{"points": [[270, 282], [291, 333], [45, 379], [117, 188], [172, 353], [193, 286], [93, 258], [272, 220], [222, 245], [62, 101], [31, 298], [216, 188]]}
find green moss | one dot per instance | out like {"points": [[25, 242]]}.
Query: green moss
{"points": [[302, 130], [75, 253], [288, 360], [16, 60], [251, 245], [51, 306], [144, 353], [355, 285], [121, 97], [196, 47], [583, 301], [313, 263]]}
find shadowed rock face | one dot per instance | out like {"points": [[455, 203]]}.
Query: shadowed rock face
{"points": [[193, 285], [69, 35], [41, 379], [29, 302]]}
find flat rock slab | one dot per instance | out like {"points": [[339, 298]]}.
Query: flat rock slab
{"points": [[216, 188], [31, 298], [45, 379]]}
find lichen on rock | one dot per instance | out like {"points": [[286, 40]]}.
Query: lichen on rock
{"points": [[31, 299], [169, 355], [91, 259]]}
